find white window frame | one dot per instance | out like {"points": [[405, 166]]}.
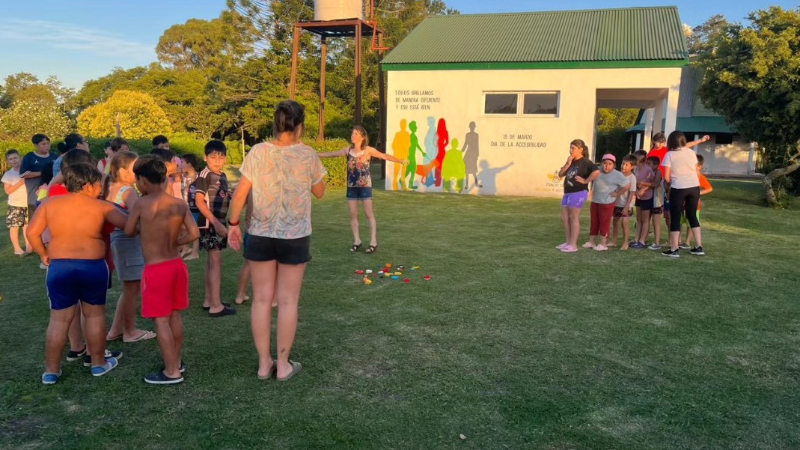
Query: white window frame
{"points": [[521, 104]]}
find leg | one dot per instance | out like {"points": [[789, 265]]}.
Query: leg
{"points": [[373, 224], [76, 343], [606, 213], [263, 274], [244, 278], [56, 337], [676, 204], [176, 326], [287, 291], [692, 199], [213, 281], [638, 228], [574, 225], [614, 232], [166, 343], [95, 317], [14, 235], [657, 229], [565, 222], [645, 229], [625, 232], [594, 224], [352, 206]]}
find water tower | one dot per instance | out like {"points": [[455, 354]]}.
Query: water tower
{"points": [[342, 19]]}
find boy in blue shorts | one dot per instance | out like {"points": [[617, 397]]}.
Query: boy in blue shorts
{"points": [[209, 196], [77, 270]]}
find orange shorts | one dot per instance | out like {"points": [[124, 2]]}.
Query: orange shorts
{"points": [[165, 288]]}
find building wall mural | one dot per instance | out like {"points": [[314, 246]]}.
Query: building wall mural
{"points": [[437, 120]]}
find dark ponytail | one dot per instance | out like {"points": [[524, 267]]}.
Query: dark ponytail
{"points": [[70, 142], [288, 116], [581, 145]]}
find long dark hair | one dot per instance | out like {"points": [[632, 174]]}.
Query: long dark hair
{"points": [[363, 133], [676, 140], [581, 145]]}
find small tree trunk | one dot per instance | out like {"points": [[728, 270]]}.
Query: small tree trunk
{"points": [[769, 191]]}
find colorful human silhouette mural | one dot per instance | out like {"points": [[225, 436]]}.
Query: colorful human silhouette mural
{"points": [[442, 139], [400, 147], [413, 146], [453, 170], [471, 150], [431, 149]]}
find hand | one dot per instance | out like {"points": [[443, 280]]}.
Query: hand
{"points": [[235, 237], [405, 162], [640, 192], [569, 160], [580, 180], [45, 259], [705, 138], [220, 229], [614, 194]]}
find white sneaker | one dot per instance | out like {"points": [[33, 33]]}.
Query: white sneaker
{"points": [[42, 266], [588, 245], [600, 248]]}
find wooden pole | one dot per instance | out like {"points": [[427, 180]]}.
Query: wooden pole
{"points": [[323, 67], [382, 113], [295, 51], [358, 73]]}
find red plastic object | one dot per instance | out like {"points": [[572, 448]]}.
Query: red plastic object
{"points": [[427, 278], [359, 272], [406, 281]]}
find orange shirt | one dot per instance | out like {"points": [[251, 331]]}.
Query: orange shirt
{"points": [[704, 184]]}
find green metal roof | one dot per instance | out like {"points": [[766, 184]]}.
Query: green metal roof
{"points": [[708, 124], [550, 38]]}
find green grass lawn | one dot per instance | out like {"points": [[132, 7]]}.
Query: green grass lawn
{"points": [[512, 344]]}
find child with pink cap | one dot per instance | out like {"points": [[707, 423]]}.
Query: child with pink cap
{"points": [[606, 188]]}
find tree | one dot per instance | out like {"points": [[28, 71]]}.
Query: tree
{"points": [[752, 79], [25, 86], [26, 118], [138, 113], [203, 44], [702, 37]]}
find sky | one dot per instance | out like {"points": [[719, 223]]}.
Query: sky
{"points": [[80, 40]]}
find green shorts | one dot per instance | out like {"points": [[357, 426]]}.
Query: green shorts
{"points": [[684, 221]]}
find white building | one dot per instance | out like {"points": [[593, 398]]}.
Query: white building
{"points": [[527, 84]]}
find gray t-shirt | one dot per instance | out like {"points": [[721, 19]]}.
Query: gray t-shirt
{"points": [[605, 185], [622, 200]]}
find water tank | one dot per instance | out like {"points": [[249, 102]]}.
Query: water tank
{"points": [[338, 9]]}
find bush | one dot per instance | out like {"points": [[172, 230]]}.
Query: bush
{"points": [[336, 167]]}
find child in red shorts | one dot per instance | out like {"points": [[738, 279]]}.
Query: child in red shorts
{"points": [[165, 280]]}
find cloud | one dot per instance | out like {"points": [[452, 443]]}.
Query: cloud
{"points": [[72, 37]]}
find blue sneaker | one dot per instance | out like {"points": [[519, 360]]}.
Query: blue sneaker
{"points": [[50, 377], [99, 371], [638, 245], [87, 359]]}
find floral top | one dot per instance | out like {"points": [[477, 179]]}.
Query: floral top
{"points": [[358, 169], [282, 178]]}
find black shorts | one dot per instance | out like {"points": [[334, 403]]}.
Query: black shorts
{"points": [[618, 212], [285, 251], [644, 205]]}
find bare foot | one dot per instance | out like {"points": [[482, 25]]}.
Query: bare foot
{"points": [[624, 246], [611, 244]]}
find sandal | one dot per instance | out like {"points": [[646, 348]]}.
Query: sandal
{"points": [[355, 247], [371, 249], [296, 367]]}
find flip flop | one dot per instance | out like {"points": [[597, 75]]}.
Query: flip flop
{"points": [[272, 369], [206, 308], [115, 338], [371, 249], [225, 311], [296, 367], [355, 247], [146, 335]]}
